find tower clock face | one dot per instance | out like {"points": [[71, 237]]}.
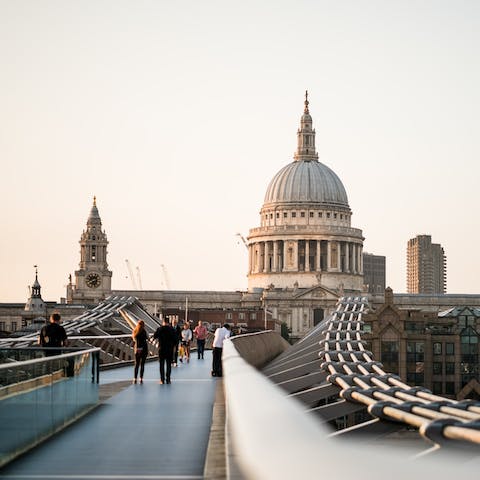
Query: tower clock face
{"points": [[93, 280]]}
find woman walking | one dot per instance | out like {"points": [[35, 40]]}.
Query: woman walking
{"points": [[140, 338], [186, 339]]}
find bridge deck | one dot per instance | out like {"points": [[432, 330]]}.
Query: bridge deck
{"points": [[159, 431]]}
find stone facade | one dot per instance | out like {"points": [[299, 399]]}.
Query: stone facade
{"points": [[438, 350]]}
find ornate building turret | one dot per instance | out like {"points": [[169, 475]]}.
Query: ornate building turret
{"points": [[35, 305], [305, 238], [93, 280]]}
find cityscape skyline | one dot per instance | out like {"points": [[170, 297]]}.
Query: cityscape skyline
{"points": [[177, 123]]}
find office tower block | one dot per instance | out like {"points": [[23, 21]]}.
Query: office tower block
{"points": [[374, 273]]}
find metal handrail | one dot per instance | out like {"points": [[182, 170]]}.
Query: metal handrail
{"points": [[270, 436], [70, 337]]}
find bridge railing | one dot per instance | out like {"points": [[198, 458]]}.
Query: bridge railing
{"points": [[270, 436], [39, 397]]}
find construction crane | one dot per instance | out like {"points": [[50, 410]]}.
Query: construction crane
{"points": [[165, 276], [243, 239], [139, 278], [130, 273]]}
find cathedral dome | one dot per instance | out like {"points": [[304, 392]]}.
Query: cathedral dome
{"points": [[307, 181]]}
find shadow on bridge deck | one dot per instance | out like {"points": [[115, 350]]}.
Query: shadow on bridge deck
{"points": [[159, 431]]}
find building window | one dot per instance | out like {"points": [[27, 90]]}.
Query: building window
{"points": [[311, 214], [271, 215], [14, 326], [2, 326], [253, 316], [414, 327], [389, 356], [367, 327], [302, 214], [334, 215], [449, 348], [466, 321], [469, 355], [341, 216], [437, 368], [228, 316], [449, 368], [278, 215], [285, 214], [437, 348], [241, 316], [450, 388], [415, 362], [320, 214], [294, 214], [328, 214], [437, 388]]}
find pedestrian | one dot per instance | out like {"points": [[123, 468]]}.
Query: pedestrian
{"points": [[187, 336], [166, 343], [200, 333], [178, 336], [220, 335], [140, 338], [53, 335]]}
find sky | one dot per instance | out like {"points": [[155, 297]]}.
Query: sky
{"points": [[177, 115]]}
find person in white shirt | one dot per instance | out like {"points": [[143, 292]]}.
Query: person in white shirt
{"points": [[186, 339], [220, 335]]}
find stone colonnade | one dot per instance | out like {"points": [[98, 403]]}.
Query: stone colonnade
{"points": [[305, 256]]}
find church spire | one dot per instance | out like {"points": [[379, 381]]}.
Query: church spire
{"points": [[36, 285], [94, 217], [35, 305], [306, 136], [305, 110]]}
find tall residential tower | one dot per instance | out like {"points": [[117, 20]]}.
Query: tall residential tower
{"points": [[426, 266]]}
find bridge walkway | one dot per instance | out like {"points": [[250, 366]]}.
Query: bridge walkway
{"points": [[144, 431]]}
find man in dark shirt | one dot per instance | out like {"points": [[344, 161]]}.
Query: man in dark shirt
{"points": [[166, 343], [53, 335], [178, 335]]}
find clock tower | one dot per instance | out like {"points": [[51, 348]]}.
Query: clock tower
{"points": [[93, 280]]}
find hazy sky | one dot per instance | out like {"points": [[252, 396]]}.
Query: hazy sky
{"points": [[177, 114]]}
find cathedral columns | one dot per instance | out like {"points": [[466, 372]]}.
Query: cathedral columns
{"points": [[360, 259], [354, 259], [250, 257], [347, 256], [275, 256], [319, 252], [285, 257], [307, 255], [261, 262], [329, 256]]}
